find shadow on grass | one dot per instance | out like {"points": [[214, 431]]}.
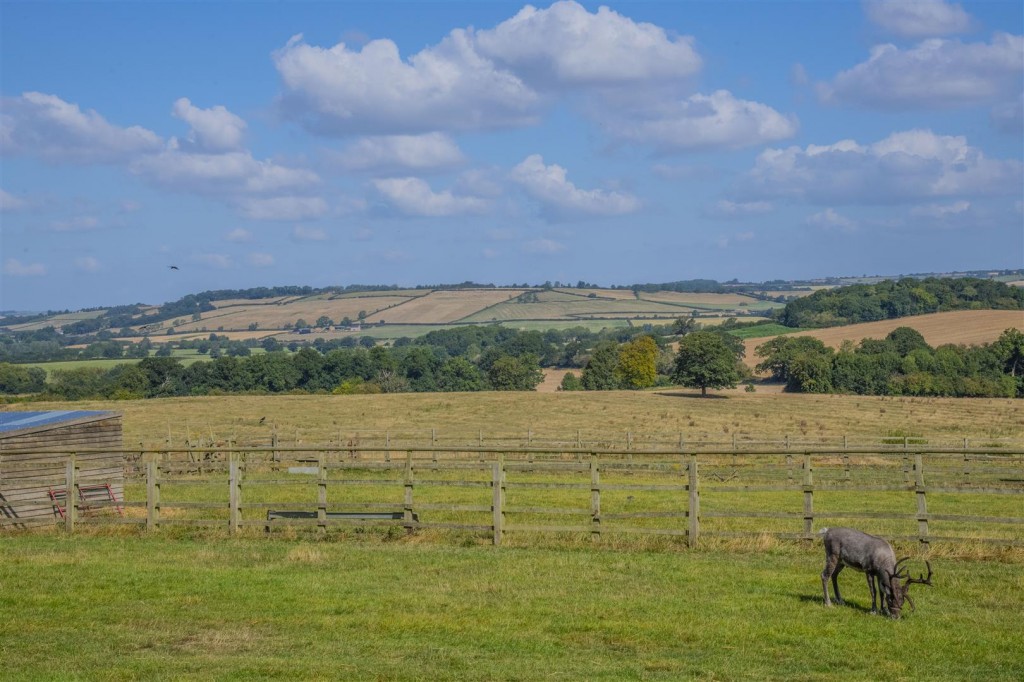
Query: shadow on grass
{"points": [[817, 599], [709, 396]]}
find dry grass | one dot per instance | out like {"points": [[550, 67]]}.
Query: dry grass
{"points": [[439, 307], [969, 327], [323, 418], [281, 316]]}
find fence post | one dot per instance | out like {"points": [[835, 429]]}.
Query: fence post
{"points": [[906, 461], [693, 507], [234, 494], [70, 495], [808, 497], [152, 496], [498, 498], [407, 502], [595, 499], [321, 495], [922, 503]]}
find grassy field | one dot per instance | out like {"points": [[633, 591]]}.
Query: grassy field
{"points": [[242, 609], [970, 327], [320, 418]]}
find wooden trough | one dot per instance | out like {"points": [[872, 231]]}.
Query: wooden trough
{"points": [[33, 485]]}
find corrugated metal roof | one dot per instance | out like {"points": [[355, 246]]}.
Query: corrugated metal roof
{"points": [[13, 421]]}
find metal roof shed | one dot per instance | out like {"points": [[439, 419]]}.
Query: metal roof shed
{"points": [[34, 450]]}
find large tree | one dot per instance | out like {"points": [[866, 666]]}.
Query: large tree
{"points": [[705, 361], [638, 363]]}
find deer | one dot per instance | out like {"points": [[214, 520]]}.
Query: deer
{"points": [[876, 559]]}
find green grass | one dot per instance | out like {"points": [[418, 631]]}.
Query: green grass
{"points": [[761, 330], [157, 607]]}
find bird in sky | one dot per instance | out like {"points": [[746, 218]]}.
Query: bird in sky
{"points": [[173, 267]]}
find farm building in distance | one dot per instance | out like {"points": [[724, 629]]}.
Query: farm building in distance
{"points": [[32, 484]]}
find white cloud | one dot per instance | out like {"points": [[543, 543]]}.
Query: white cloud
{"points": [[239, 235], [935, 73], [213, 260], [904, 167], [283, 208], [10, 203], [432, 151], [413, 196], [917, 18], [630, 77], [718, 120], [565, 45], [1009, 116], [88, 264], [738, 209], [941, 211], [76, 224], [308, 234], [129, 206], [215, 129], [448, 86], [222, 174], [260, 260], [16, 268], [829, 219], [57, 131], [549, 185], [543, 246]]}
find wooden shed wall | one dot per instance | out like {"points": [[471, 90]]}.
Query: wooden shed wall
{"points": [[26, 479]]}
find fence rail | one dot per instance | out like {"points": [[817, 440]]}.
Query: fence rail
{"points": [[906, 491]]}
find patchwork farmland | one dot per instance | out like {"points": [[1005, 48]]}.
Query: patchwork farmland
{"points": [[406, 312]]}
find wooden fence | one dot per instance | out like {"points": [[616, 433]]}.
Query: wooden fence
{"points": [[908, 493]]}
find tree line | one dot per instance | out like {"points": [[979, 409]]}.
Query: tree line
{"points": [[893, 299], [900, 364]]}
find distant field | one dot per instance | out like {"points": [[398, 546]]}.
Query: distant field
{"points": [[57, 320], [439, 307], [270, 317], [763, 330], [969, 327]]}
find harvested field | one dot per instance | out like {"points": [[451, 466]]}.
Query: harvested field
{"points": [[614, 294], [439, 307], [284, 315], [578, 308], [969, 327], [709, 300]]}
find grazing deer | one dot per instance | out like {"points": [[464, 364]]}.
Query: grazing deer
{"points": [[875, 558]]}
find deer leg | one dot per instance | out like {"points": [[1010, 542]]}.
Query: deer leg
{"points": [[835, 583], [871, 589], [829, 572]]}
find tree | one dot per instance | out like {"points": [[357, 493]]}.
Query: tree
{"points": [[571, 382], [600, 374], [509, 373], [637, 367], [323, 321], [459, 374], [705, 361]]}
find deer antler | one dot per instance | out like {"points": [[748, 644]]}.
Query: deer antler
{"points": [[897, 571], [921, 579]]}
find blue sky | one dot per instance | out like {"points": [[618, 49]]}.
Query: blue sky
{"points": [[258, 144]]}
